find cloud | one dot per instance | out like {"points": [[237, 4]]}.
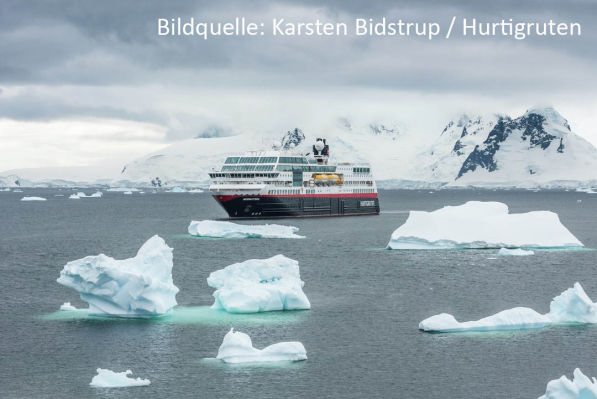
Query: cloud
{"points": [[104, 61]]}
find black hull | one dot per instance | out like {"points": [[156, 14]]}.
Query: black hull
{"points": [[254, 207]]}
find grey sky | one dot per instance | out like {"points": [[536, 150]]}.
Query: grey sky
{"points": [[67, 60]]}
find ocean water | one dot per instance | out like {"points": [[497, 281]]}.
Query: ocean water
{"points": [[361, 334]]}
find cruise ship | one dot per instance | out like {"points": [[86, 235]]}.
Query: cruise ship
{"points": [[277, 184]]}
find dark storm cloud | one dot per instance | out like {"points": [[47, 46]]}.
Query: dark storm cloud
{"points": [[109, 43]]}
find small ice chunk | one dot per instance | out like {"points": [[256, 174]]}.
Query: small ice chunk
{"points": [[67, 306], [81, 194], [478, 224], [238, 348], [196, 191], [127, 192], [571, 306], [33, 198], [259, 285], [581, 387], [222, 229], [74, 196], [136, 287], [177, 190], [109, 379], [515, 252]]}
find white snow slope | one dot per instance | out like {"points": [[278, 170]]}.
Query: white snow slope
{"points": [[571, 306], [136, 287], [478, 224], [259, 285], [238, 348]]}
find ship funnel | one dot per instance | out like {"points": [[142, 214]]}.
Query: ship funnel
{"points": [[321, 151]]}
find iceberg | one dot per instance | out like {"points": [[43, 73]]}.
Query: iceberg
{"points": [[136, 287], [581, 387], [109, 379], [33, 198], [221, 229], [67, 306], [515, 252], [478, 224], [259, 285], [238, 348], [80, 194], [571, 306]]}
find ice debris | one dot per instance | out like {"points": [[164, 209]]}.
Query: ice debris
{"points": [[67, 306], [259, 285], [136, 287], [222, 229], [33, 199], [581, 387], [571, 306], [515, 252], [238, 348], [478, 224], [109, 379]]}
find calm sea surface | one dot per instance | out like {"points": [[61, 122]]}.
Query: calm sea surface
{"points": [[361, 334]]}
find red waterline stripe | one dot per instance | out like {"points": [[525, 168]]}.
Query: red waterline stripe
{"points": [[224, 198]]}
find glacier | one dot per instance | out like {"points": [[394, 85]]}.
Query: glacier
{"points": [[581, 387], [136, 287], [109, 379], [570, 307], [515, 252], [259, 285], [222, 229], [238, 348], [33, 198], [477, 224]]}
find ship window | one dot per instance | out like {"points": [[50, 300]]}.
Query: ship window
{"points": [[248, 160], [231, 160], [225, 168], [267, 160]]}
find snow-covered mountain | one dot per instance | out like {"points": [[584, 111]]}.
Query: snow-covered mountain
{"points": [[537, 149], [187, 162]]}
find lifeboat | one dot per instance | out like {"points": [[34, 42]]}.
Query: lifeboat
{"points": [[327, 178]]}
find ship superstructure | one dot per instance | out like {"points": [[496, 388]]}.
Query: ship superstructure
{"points": [[265, 184]]}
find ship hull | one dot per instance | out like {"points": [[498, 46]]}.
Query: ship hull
{"points": [[284, 206]]}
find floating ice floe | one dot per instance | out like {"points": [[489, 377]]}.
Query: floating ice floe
{"points": [[127, 192], [136, 287], [570, 307], [259, 285], [515, 252], [177, 190], [33, 199], [80, 194], [238, 348], [5, 189], [478, 224], [581, 387], [122, 189], [221, 229], [109, 379], [67, 306], [195, 191]]}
